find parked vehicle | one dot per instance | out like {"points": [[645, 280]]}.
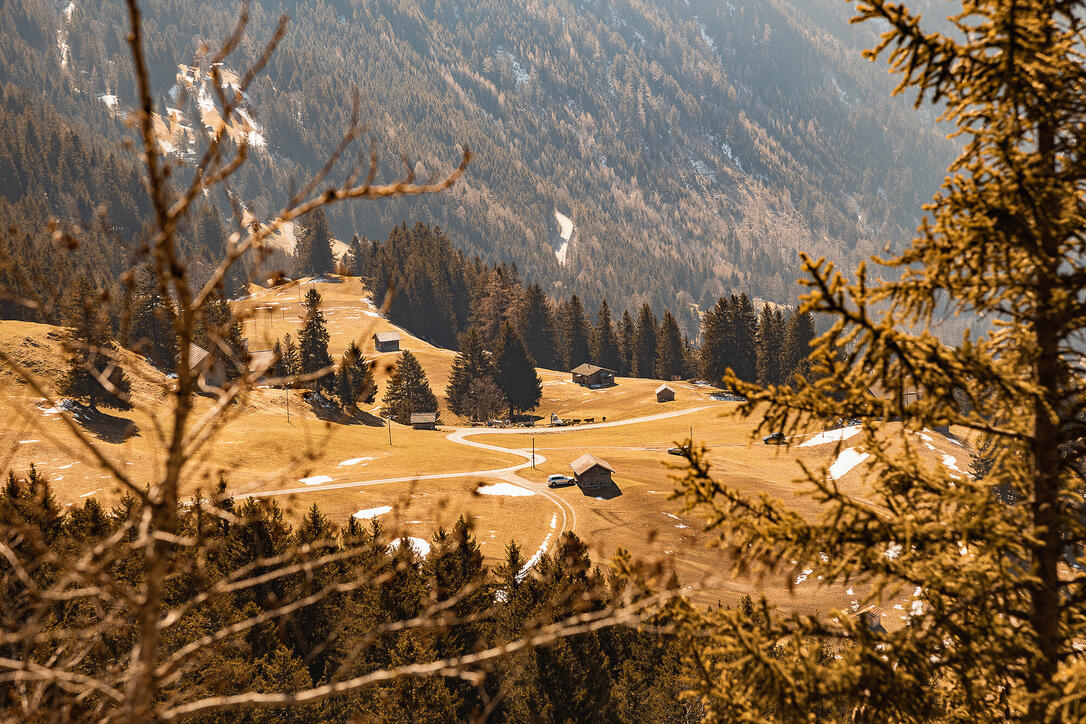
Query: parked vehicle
{"points": [[559, 481], [677, 451], [776, 438]]}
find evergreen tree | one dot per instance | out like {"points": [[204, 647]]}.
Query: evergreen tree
{"points": [[770, 346], [291, 361], [151, 331], [993, 631], [576, 328], [798, 334], [484, 399], [92, 359], [220, 334], [717, 342], [516, 375], [313, 252], [536, 325], [354, 378], [473, 363], [644, 343], [745, 334], [354, 259], [606, 350], [626, 335], [669, 349], [313, 343], [407, 391]]}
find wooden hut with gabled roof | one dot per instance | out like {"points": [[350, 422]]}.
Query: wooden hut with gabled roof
{"points": [[592, 472], [665, 394], [588, 375], [386, 341]]}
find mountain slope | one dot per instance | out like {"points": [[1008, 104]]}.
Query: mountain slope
{"points": [[694, 146]]}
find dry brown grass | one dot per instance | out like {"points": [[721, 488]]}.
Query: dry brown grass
{"points": [[259, 451]]}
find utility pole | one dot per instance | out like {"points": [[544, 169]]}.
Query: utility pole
{"points": [[533, 452], [287, 391], [390, 431]]}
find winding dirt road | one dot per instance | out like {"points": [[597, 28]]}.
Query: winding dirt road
{"points": [[462, 435]]}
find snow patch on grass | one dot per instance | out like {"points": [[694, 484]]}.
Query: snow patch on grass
{"points": [[420, 546], [822, 438], [354, 461], [315, 480], [845, 462], [373, 512]]}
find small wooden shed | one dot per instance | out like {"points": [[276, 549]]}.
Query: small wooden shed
{"points": [[665, 394], [386, 341], [210, 370], [261, 363], [591, 472], [588, 375], [424, 420]]}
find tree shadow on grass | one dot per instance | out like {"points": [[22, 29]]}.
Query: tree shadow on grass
{"points": [[107, 427], [328, 411]]}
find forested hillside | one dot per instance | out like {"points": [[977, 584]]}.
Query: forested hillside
{"points": [[695, 146]]}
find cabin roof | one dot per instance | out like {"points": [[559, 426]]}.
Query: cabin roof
{"points": [[588, 461]]}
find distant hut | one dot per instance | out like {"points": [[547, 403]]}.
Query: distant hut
{"points": [[871, 618], [665, 394], [210, 370], [261, 362], [386, 341], [591, 472], [588, 375], [424, 420]]}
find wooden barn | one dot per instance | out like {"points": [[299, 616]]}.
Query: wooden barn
{"points": [[210, 369], [588, 375], [386, 341], [424, 420], [591, 472], [665, 394]]}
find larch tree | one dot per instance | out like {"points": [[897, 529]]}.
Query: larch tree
{"points": [[515, 373], [990, 567]]}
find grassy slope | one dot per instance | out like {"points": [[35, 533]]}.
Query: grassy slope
{"points": [[259, 450]]}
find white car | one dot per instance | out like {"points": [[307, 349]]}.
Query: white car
{"points": [[559, 481]]}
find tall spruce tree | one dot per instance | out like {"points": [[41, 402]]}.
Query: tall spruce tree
{"points": [[644, 343], [407, 390], [745, 335], [670, 358], [151, 331], [472, 364], [313, 252], [313, 343], [577, 335], [626, 332], [516, 375], [291, 362], [799, 331], [770, 346], [354, 378], [93, 373], [606, 351], [535, 322], [219, 333], [716, 342], [991, 582]]}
